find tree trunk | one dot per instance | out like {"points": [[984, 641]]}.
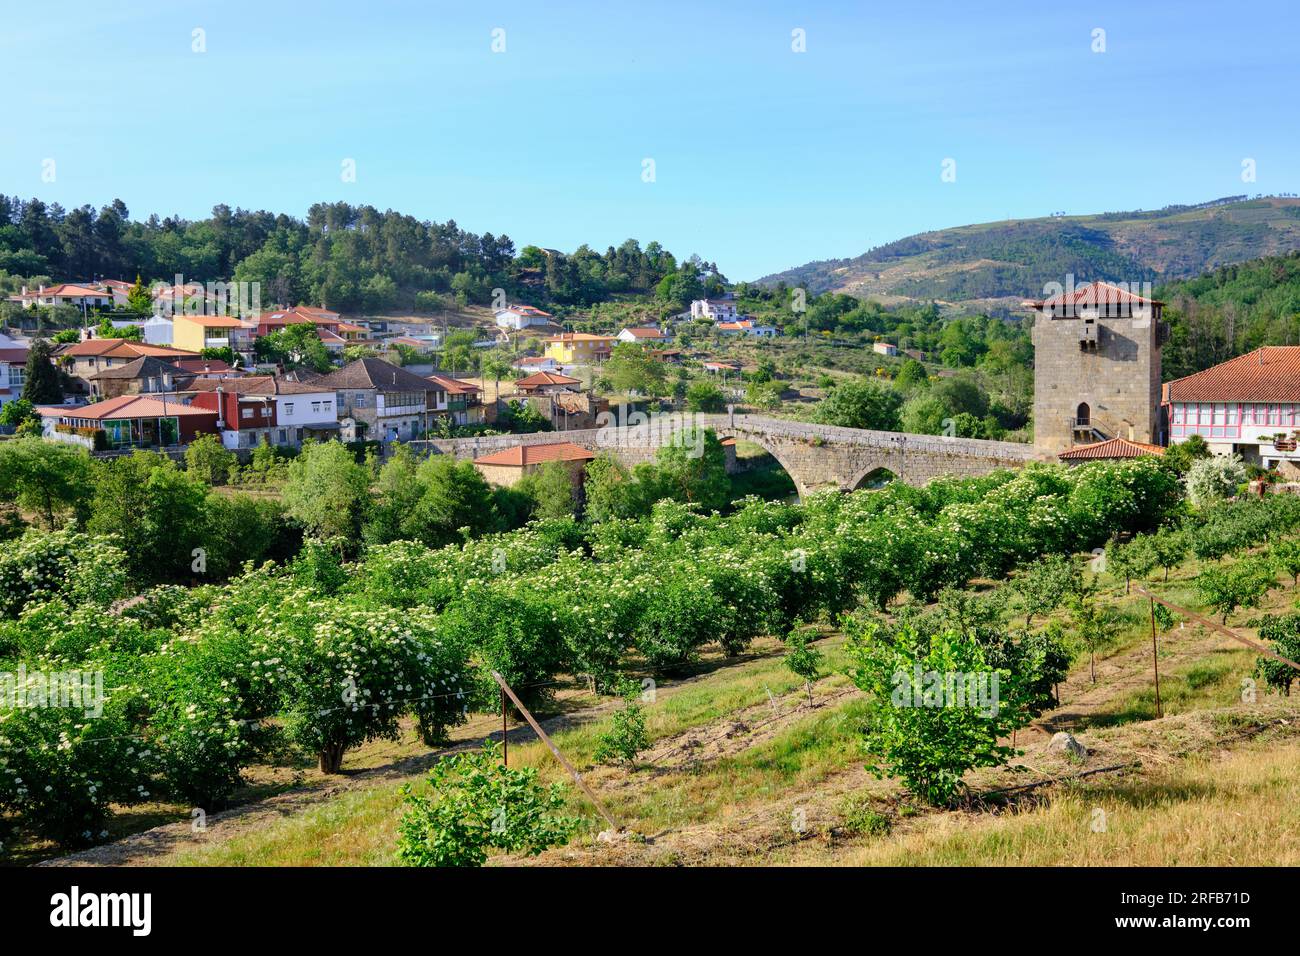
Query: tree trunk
{"points": [[1094, 667], [331, 757]]}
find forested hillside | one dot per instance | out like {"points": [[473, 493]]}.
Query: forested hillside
{"points": [[343, 257], [1231, 310], [1013, 258]]}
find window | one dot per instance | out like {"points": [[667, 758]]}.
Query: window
{"points": [[1220, 413], [329, 405], [17, 375], [315, 408], [288, 408], [1178, 413], [245, 413]]}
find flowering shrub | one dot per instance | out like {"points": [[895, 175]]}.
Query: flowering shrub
{"points": [[82, 568]]}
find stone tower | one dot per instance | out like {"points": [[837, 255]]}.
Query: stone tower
{"points": [[1096, 367]]}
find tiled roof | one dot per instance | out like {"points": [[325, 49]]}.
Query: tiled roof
{"points": [[375, 373], [144, 367], [1094, 293], [69, 289], [454, 386], [133, 406], [546, 378], [580, 337], [121, 348], [521, 455], [1111, 448], [1271, 373], [255, 385], [13, 355], [211, 321], [640, 333]]}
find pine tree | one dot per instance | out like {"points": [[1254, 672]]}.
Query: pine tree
{"points": [[42, 385]]}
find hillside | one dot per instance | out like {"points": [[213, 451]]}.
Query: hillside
{"points": [[1008, 260]]}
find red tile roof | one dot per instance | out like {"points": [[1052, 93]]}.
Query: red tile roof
{"points": [[13, 356], [121, 348], [1111, 448], [521, 455], [454, 386], [1094, 293], [132, 406], [538, 379], [1271, 373], [640, 333]]}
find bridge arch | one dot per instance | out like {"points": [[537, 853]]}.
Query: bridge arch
{"points": [[757, 438], [872, 476]]}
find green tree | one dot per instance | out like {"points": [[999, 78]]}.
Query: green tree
{"points": [[860, 403], [327, 493], [156, 509], [42, 385], [803, 659], [1045, 584], [626, 736], [1242, 584], [913, 730], [552, 490], [704, 396], [1169, 546], [692, 469], [208, 459], [138, 298], [477, 804], [632, 369], [1282, 632], [52, 479], [294, 346]]}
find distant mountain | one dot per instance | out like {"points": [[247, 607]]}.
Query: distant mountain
{"points": [[1004, 261]]}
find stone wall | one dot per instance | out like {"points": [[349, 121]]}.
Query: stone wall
{"points": [[1119, 379]]}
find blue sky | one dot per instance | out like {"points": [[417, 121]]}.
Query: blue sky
{"points": [[764, 158]]}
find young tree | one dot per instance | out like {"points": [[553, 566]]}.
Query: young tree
{"points": [[803, 659], [1043, 586], [1169, 547], [138, 298], [1242, 584], [1282, 631], [1286, 555], [476, 805], [1093, 625], [1129, 561], [913, 730], [693, 469], [704, 396], [626, 736]]}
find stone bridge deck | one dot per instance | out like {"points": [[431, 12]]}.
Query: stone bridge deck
{"points": [[815, 456]]}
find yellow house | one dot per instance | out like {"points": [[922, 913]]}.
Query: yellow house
{"points": [[194, 333], [579, 348]]}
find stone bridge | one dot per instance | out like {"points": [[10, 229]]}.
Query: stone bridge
{"points": [[817, 457]]}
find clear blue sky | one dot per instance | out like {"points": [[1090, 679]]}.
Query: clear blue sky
{"points": [[765, 158]]}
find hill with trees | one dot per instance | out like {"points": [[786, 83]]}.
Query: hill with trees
{"points": [[1009, 260]]}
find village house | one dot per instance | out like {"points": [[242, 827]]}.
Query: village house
{"points": [[128, 421], [81, 296], [579, 348], [520, 317], [506, 468], [80, 360], [1249, 406], [714, 310], [13, 369], [380, 401], [645, 336], [884, 348], [194, 333], [566, 410], [460, 401], [259, 408], [540, 383], [145, 375]]}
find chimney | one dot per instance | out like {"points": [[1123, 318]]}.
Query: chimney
{"points": [[221, 407]]}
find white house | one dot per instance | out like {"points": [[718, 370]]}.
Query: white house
{"points": [[13, 369], [83, 297], [521, 317], [884, 348], [157, 329], [715, 310], [647, 335]]}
